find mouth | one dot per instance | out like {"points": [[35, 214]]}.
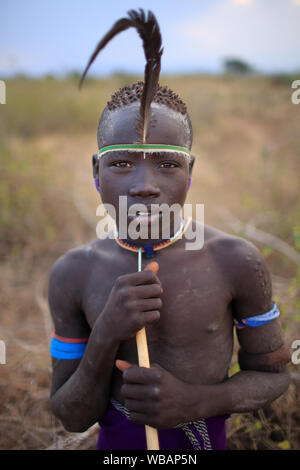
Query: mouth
{"points": [[145, 217]]}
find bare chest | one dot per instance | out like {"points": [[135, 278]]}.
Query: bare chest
{"points": [[195, 314]]}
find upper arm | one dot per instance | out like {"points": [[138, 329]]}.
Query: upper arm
{"points": [[65, 299], [253, 296]]}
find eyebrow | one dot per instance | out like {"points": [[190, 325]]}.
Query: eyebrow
{"points": [[110, 156], [169, 155]]}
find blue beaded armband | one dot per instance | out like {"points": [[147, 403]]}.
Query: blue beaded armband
{"points": [[67, 349], [259, 320]]}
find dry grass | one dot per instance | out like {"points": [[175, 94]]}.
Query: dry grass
{"points": [[247, 173]]}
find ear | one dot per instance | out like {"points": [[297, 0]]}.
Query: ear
{"points": [[191, 164], [96, 171], [95, 162]]}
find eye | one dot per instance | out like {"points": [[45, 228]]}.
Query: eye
{"points": [[168, 165], [122, 164]]}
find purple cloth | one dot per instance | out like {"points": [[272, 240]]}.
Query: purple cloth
{"points": [[117, 432]]}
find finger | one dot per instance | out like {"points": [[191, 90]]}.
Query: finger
{"points": [[158, 368], [141, 375], [139, 406], [147, 305], [122, 365], [151, 317], [142, 277], [140, 392], [141, 418], [134, 392], [148, 291]]}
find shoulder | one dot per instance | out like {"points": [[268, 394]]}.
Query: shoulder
{"points": [[66, 282], [234, 252], [68, 278], [76, 262], [221, 244], [70, 265], [71, 270], [242, 263]]}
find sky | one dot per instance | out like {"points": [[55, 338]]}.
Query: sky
{"points": [[58, 36]]}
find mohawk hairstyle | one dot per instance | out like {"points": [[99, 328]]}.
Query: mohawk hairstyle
{"points": [[133, 93]]}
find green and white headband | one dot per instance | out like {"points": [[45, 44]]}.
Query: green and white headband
{"points": [[145, 148]]}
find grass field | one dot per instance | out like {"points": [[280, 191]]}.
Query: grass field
{"points": [[247, 147]]}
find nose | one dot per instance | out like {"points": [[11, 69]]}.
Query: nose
{"points": [[144, 186], [144, 190]]}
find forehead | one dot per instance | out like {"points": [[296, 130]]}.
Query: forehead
{"points": [[167, 126]]}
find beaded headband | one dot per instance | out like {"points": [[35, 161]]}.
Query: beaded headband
{"points": [[145, 148]]}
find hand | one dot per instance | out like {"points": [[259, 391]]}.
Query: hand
{"points": [[154, 396], [133, 303]]}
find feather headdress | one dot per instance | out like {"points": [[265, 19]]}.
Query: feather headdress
{"points": [[148, 29]]}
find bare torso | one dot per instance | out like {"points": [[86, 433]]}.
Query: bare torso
{"points": [[193, 338]]}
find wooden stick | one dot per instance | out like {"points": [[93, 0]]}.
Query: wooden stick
{"points": [[143, 356]]}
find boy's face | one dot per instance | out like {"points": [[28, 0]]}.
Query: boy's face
{"points": [[151, 178]]}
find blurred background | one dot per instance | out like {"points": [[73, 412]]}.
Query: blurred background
{"points": [[233, 62]]}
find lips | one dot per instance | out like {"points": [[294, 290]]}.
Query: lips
{"points": [[143, 213], [148, 216]]}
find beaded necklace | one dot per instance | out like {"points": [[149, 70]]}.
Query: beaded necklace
{"points": [[149, 248]]}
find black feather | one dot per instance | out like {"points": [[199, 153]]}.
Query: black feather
{"points": [[149, 31]]}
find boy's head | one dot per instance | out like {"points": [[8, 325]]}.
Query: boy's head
{"points": [[170, 123], [158, 177]]}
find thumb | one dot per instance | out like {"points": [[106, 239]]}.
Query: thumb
{"points": [[122, 365], [153, 266]]}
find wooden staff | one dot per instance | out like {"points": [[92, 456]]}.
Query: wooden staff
{"points": [[143, 356]]}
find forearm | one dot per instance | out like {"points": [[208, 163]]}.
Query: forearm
{"points": [[83, 398], [243, 392]]}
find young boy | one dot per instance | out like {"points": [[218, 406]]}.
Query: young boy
{"points": [[99, 301]]}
